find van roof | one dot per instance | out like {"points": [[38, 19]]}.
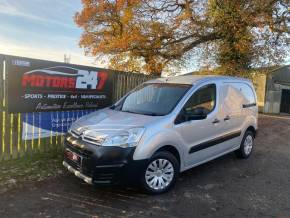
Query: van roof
{"points": [[193, 79]]}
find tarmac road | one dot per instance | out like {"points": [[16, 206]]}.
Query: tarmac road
{"points": [[225, 187]]}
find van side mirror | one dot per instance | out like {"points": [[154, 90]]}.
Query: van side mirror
{"points": [[196, 117], [195, 114]]}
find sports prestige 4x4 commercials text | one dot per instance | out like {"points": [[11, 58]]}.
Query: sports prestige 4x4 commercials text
{"points": [[47, 86]]}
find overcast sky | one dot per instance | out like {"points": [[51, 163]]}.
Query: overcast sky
{"points": [[42, 29]]}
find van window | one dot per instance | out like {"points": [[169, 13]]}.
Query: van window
{"points": [[154, 99], [204, 99], [247, 92]]}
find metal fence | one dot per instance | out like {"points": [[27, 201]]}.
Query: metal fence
{"points": [[13, 146]]}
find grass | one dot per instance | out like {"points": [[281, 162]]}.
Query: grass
{"points": [[38, 167]]}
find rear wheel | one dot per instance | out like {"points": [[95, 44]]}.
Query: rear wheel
{"points": [[247, 145], [160, 173]]}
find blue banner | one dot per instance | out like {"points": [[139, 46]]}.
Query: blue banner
{"points": [[46, 124]]}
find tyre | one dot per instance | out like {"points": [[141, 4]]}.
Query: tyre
{"points": [[247, 145], [161, 173]]}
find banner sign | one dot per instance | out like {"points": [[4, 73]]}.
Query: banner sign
{"points": [[47, 124], [36, 86]]}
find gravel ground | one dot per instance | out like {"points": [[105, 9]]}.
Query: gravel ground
{"points": [[225, 187]]}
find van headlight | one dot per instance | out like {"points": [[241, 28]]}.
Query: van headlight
{"points": [[125, 139]]}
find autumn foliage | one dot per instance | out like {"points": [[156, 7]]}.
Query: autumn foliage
{"points": [[148, 36]]}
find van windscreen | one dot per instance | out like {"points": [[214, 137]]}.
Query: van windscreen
{"points": [[155, 99]]}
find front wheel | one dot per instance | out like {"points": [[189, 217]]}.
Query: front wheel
{"points": [[247, 145], [160, 173]]}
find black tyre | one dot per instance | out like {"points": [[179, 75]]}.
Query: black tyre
{"points": [[161, 173], [247, 145]]}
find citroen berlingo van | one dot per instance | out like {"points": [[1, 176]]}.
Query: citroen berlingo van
{"points": [[161, 128]]}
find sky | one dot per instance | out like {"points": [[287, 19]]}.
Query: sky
{"points": [[42, 29]]}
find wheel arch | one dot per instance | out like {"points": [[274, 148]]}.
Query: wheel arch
{"points": [[252, 129], [173, 150]]}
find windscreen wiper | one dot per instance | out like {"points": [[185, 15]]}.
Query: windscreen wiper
{"points": [[152, 114], [148, 114], [128, 111]]}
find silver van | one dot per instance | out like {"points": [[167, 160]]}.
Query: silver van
{"points": [[161, 128]]}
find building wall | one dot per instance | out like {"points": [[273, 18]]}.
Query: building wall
{"points": [[259, 82], [273, 98], [276, 82]]}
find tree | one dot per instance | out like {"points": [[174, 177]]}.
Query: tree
{"points": [[250, 30], [150, 35]]}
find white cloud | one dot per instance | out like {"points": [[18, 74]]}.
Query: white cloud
{"points": [[11, 47], [43, 35], [45, 11], [36, 35]]}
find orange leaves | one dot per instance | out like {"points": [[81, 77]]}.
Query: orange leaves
{"points": [[84, 16], [154, 33], [127, 16], [123, 4], [118, 27]]}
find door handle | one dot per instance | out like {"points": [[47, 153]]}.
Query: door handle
{"points": [[216, 121], [227, 118]]}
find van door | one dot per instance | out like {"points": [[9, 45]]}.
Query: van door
{"points": [[231, 110], [201, 136]]}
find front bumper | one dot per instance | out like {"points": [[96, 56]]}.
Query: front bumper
{"points": [[77, 173], [102, 165]]}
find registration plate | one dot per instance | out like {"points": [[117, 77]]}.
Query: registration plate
{"points": [[73, 157]]}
